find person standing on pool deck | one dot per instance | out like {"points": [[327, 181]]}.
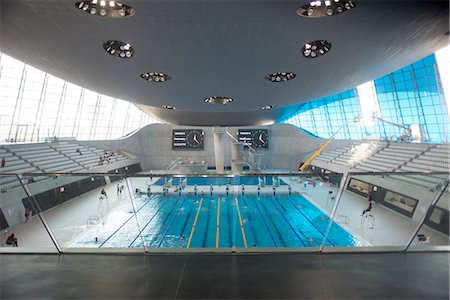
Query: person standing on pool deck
{"points": [[369, 208], [27, 214], [103, 193]]}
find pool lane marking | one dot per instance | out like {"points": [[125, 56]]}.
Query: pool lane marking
{"points": [[171, 222], [218, 222], [307, 218], [264, 220], [195, 223], [161, 199], [151, 219], [242, 225], [290, 225]]}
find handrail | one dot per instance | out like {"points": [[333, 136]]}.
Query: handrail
{"points": [[237, 141], [254, 174], [248, 145], [173, 163]]}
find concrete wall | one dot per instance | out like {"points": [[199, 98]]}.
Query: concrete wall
{"points": [[424, 196], [152, 145]]}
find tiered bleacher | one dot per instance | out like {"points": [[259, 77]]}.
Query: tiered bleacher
{"points": [[391, 157], [13, 165], [395, 157], [435, 159], [350, 156], [58, 157]]}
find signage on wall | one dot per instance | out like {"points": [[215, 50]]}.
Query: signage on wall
{"points": [[256, 138], [188, 139]]}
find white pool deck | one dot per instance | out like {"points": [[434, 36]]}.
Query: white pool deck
{"points": [[69, 221]]}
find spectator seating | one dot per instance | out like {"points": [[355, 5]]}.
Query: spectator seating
{"points": [[395, 157], [58, 157]]}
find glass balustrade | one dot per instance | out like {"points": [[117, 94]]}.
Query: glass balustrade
{"points": [[314, 212]]}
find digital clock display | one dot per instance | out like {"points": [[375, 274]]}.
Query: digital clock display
{"points": [[255, 138], [187, 139]]}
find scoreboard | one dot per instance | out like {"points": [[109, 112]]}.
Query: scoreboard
{"points": [[256, 138], [188, 139]]}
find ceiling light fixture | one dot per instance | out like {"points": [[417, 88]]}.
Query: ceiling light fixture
{"points": [[280, 76], [155, 77], [112, 9], [118, 49], [169, 107], [218, 100], [267, 107], [315, 49], [315, 9]]}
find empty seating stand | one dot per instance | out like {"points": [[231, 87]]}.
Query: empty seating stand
{"points": [[434, 159], [60, 157], [398, 157], [350, 156]]}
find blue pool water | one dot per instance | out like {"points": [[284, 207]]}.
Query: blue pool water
{"points": [[267, 221]]}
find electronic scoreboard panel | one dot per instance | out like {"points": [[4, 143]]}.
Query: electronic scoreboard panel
{"points": [[186, 139], [256, 138]]}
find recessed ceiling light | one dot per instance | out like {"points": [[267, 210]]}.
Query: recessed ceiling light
{"points": [[267, 107], [315, 9], [280, 76], [218, 100], [155, 77], [118, 49], [169, 107], [315, 49], [111, 9]]}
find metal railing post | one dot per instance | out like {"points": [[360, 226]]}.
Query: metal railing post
{"points": [[344, 182], [432, 205], [37, 209], [138, 221]]}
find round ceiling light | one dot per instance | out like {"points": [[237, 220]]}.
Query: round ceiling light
{"points": [[169, 107], [218, 100], [267, 107], [315, 49], [327, 8], [155, 77], [111, 9], [118, 49], [280, 76]]}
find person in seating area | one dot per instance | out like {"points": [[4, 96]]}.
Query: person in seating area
{"points": [[12, 240], [3, 162]]}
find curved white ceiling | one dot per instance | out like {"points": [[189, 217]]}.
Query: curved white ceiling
{"points": [[222, 48]]}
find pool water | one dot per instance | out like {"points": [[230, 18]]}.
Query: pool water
{"points": [[190, 221]]}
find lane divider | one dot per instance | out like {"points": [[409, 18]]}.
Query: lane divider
{"points": [[218, 222], [195, 223], [240, 222]]}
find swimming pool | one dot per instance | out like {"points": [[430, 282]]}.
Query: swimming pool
{"points": [[218, 221]]}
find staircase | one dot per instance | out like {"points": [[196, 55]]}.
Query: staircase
{"points": [[239, 157]]}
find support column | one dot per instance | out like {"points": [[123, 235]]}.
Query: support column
{"points": [[219, 149]]}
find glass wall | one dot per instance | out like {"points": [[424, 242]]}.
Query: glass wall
{"points": [[315, 212], [412, 98], [35, 106]]}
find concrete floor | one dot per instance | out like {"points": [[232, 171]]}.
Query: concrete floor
{"points": [[274, 276]]}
